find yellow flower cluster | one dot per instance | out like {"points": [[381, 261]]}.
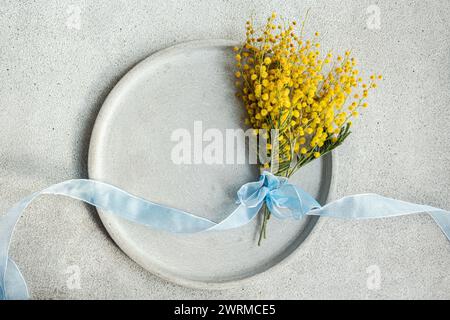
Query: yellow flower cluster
{"points": [[288, 85]]}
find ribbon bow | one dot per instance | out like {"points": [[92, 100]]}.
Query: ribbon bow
{"points": [[284, 200]]}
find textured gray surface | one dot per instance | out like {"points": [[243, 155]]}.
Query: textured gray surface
{"points": [[54, 78]]}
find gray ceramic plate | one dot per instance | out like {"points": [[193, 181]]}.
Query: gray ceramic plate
{"points": [[131, 148]]}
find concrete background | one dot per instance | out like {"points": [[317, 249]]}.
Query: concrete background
{"points": [[54, 77]]}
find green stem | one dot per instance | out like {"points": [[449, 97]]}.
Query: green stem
{"points": [[266, 217]]}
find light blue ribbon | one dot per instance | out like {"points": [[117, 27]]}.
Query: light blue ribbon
{"points": [[283, 199]]}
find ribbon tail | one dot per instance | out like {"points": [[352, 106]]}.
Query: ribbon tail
{"points": [[127, 206], [15, 284], [105, 197], [12, 283], [372, 206], [442, 218], [238, 218]]}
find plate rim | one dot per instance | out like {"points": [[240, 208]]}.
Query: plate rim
{"points": [[107, 108]]}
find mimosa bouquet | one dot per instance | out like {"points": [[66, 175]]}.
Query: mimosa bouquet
{"points": [[299, 101]]}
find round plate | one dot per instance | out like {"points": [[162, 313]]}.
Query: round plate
{"points": [[131, 148]]}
